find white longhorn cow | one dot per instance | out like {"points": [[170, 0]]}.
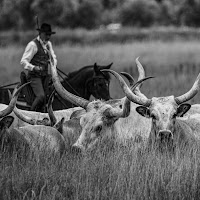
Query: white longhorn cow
{"points": [[37, 138], [104, 118], [166, 115], [32, 117], [31, 138]]}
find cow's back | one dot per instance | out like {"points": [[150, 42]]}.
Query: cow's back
{"points": [[42, 138], [193, 123], [38, 115]]}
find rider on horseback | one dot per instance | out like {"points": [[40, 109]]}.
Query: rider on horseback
{"points": [[36, 61]]}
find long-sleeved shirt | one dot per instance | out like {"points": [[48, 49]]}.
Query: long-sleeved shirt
{"points": [[31, 49]]}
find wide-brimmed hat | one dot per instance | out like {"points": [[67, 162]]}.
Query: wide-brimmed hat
{"points": [[46, 28]]}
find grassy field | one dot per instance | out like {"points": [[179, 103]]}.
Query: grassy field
{"points": [[175, 64], [122, 172], [108, 173]]}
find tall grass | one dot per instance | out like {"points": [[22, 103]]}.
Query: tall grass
{"points": [[103, 35], [119, 173]]}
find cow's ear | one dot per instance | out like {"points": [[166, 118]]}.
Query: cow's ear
{"points": [[6, 122], [59, 125], [77, 113], [182, 109], [144, 111]]}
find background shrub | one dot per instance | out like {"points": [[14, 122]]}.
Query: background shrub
{"points": [[139, 13]]}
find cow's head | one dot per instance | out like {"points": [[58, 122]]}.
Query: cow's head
{"points": [[9, 141], [5, 123], [98, 120], [162, 110]]}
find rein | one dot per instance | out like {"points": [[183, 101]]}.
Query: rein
{"points": [[61, 100], [68, 84], [62, 72], [3, 86]]}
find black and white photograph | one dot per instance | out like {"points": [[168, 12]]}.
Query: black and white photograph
{"points": [[99, 99]]}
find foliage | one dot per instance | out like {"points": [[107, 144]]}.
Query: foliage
{"points": [[168, 13], [67, 17], [52, 8], [140, 13], [6, 19], [190, 13], [90, 14]]}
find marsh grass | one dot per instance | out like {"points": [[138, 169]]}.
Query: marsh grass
{"points": [[122, 173], [102, 35]]}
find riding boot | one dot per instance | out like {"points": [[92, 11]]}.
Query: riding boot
{"points": [[36, 105], [37, 86]]}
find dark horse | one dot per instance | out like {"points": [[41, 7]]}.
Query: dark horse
{"points": [[87, 81]]}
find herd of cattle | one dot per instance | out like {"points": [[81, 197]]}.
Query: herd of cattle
{"points": [[163, 121]]}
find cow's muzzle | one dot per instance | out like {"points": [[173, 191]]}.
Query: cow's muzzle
{"points": [[77, 149], [165, 135]]}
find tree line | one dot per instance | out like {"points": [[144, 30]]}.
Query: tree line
{"points": [[90, 14]]}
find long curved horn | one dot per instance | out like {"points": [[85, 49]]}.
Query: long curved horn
{"points": [[131, 80], [13, 101], [24, 117], [19, 114], [142, 75], [191, 93], [30, 120], [52, 117], [64, 93], [140, 70], [126, 107], [132, 97], [127, 103]]}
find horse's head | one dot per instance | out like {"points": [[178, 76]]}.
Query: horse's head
{"points": [[87, 81], [98, 86]]}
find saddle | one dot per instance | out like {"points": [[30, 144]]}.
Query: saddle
{"points": [[27, 91]]}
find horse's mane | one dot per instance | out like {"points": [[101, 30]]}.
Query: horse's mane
{"points": [[76, 72]]}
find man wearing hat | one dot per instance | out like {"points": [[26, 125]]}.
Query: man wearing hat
{"points": [[36, 60]]}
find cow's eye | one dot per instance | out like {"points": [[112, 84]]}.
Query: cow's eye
{"points": [[98, 129], [153, 116], [174, 116]]}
